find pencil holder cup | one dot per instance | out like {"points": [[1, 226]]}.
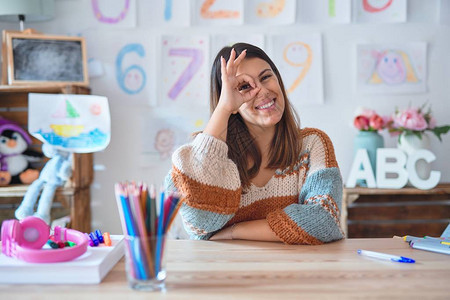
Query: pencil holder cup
{"points": [[145, 263]]}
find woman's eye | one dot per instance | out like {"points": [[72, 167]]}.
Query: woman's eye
{"points": [[244, 87], [266, 77]]}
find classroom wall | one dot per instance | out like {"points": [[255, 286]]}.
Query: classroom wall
{"points": [[124, 160]]}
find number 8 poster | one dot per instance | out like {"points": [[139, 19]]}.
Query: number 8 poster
{"points": [[299, 60], [184, 70]]}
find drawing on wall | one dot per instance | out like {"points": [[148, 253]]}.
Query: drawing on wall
{"points": [[131, 79], [167, 130], [184, 62], [379, 11], [273, 12], [127, 63], [218, 12], [166, 13], [117, 13], [391, 68], [331, 11], [299, 60], [77, 123]]}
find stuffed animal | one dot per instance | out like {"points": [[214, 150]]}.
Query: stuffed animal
{"points": [[15, 157], [54, 174]]}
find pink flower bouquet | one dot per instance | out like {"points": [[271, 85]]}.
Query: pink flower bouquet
{"points": [[415, 121], [368, 120]]}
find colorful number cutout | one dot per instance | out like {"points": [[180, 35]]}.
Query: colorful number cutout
{"points": [[270, 9], [332, 8], [189, 72], [132, 79], [368, 7], [168, 10], [306, 64], [110, 20], [206, 13]]}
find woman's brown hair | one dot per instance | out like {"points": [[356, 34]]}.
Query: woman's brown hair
{"points": [[286, 143]]}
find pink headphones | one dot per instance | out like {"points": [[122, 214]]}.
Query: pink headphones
{"points": [[24, 240]]}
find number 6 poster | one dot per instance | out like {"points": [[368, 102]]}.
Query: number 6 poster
{"points": [[299, 60], [184, 70]]}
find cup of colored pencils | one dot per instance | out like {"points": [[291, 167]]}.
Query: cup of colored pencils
{"points": [[146, 218]]}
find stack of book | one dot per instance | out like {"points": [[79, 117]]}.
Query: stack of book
{"points": [[90, 268]]}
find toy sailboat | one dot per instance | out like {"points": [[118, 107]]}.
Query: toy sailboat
{"points": [[66, 111]]}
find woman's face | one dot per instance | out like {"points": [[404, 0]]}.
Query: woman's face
{"points": [[266, 108]]}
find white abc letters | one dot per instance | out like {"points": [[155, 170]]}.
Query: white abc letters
{"points": [[384, 167], [435, 176], [361, 159], [392, 161]]}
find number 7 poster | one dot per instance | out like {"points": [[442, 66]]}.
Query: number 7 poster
{"points": [[184, 70]]}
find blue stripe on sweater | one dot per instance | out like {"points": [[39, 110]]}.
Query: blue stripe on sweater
{"points": [[312, 217], [204, 220]]}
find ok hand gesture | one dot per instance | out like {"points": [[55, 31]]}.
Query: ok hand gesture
{"points": [[235, 89]]}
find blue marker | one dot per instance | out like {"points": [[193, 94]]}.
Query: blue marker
{"points": [[99, 235], [94, 239], [384, 256]]}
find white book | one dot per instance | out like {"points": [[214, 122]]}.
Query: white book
{"points": [[89, 268]]}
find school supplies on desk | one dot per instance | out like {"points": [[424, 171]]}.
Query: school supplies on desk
{"points": [[385, 256], [90, 268], [145, 227], [434, 244], [431, 245]]}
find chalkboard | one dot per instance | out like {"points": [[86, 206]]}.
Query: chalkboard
{"points": [[34, 58]]}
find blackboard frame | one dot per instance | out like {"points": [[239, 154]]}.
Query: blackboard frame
{"points": [[9, 72]]}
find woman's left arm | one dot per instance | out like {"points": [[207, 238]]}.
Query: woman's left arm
{"points": [[315, 219], [257, 230]]}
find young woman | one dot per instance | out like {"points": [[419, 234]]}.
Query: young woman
{"points": [[253, 174]]}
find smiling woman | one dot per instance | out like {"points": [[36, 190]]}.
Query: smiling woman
{"points": [[253, 173]]}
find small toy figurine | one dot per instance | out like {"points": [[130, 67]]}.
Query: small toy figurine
{"points": [[15, 158], [54, 174]]}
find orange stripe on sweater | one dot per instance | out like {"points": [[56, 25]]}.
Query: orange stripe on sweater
{"points": [[288, 231], [259, 210], [206, 197], [330, 157]]}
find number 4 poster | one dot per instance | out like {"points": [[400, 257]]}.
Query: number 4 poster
{"points": [[184, 70]]}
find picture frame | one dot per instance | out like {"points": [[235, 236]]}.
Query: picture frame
{"points": [[34, 58]]}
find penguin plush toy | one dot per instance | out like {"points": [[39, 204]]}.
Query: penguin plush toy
{"points": [[15, 157]]}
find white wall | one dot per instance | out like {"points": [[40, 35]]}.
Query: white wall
{"points": [[123, 161]]}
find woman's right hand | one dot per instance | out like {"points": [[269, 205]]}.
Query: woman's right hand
{"points": [[234, 91]]}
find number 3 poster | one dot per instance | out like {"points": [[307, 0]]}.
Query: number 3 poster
{"points": [[299, 60], [184, 70]]}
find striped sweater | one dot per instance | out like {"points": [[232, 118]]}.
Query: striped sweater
{"points": [[301, 203]]}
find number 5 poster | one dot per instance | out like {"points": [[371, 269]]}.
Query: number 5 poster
{"points": [[184, 71], [299, 60]]}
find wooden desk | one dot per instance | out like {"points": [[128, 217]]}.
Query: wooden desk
{"points": [[260, 270], [388, 212]]}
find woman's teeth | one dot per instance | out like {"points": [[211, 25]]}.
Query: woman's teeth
{"points": [[266, 105]]}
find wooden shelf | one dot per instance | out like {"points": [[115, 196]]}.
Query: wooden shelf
{"points": [[20, 190], [75, 196], [44, 88], [372, 212]]}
